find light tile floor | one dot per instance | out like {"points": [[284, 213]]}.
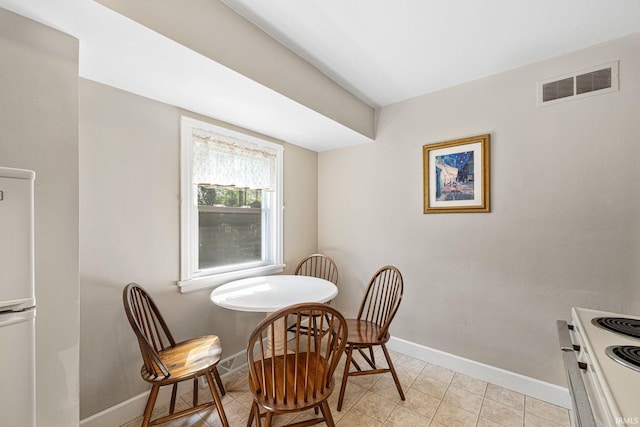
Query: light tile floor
{"points": [[435, 397]]}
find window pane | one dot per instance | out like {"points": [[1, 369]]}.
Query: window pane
{"points": [[229, 226], [229, 236], [229, 197]]}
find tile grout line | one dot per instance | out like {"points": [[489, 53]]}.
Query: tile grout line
{"points": [[441, 400], [484, 394]]}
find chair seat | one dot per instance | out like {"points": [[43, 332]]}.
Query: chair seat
{"points": [[363, 332], [188, 358], [310, 394]]}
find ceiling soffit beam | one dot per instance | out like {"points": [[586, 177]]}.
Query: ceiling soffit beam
{"points": [[217, 32]]}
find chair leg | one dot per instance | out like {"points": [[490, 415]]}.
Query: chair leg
{"points": [[150, 402], [326, 412], [345, 375], [258, 416], [369, 359], [393, 371], [195, 392], [216, 399], [269, 419], [174, 394], [216, 375], [252, 414]]}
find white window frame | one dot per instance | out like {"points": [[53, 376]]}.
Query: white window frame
{"points": [[192, 279]]}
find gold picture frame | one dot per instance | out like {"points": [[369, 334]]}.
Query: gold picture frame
{"points": [[456, 175]]}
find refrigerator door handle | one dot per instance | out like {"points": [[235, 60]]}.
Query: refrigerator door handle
{"points": [[10, 317], [17, 305]]}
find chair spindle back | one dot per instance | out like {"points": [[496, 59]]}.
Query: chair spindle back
{"points": [[299, 371], [318, 265], [382, 298], [150, 328]]}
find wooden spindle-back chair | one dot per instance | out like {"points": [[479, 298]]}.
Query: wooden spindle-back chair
{"points": [[166, 362], [296, 375], [371, 327], [318, 265]]}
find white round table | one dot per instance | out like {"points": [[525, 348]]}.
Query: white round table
{"points": [[267, 294]]}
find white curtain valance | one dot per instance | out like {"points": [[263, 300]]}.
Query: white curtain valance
{"points": [[219, 160]]}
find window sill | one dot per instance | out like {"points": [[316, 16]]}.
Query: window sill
{"points": [[205, 282]]}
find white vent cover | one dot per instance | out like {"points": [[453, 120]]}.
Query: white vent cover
{"points": [[592, 81]]}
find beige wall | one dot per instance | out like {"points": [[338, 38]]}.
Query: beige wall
{"points": [[564, 228], [129, 231], [39, 123]]}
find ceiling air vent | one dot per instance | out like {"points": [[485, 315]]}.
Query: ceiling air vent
{"points": [[593, 81]]}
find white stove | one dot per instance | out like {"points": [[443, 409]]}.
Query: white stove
{"points": [[601, 353]]}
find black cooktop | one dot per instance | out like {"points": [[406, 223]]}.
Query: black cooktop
{"points": [[620, 325], [627, 355]]}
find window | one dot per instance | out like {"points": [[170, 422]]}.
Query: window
{"points": [[231, 206]]}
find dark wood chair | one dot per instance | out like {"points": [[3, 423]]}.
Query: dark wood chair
{"points": [[371, 327], [318, 265], [166, 362], [296, 375]]}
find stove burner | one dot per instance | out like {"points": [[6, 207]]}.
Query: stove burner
{"points": [[627, 355], [620, 325]]}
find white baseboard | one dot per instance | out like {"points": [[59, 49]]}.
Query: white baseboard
{"points": [[522, 384], [128, 410]]}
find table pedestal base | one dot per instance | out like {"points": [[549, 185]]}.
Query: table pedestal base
{"points": [[279, 344]]}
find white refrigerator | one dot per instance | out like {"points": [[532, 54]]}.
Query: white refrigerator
{"points": [[17, 299]]}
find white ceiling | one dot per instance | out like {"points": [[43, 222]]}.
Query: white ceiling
{"points": [[385, 51]]}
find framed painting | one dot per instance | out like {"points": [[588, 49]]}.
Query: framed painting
{"points": [[456, 175]]}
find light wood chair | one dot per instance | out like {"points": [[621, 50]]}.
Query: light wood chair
{"points": [[371, 327], [166, 362], [296, 375]]}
